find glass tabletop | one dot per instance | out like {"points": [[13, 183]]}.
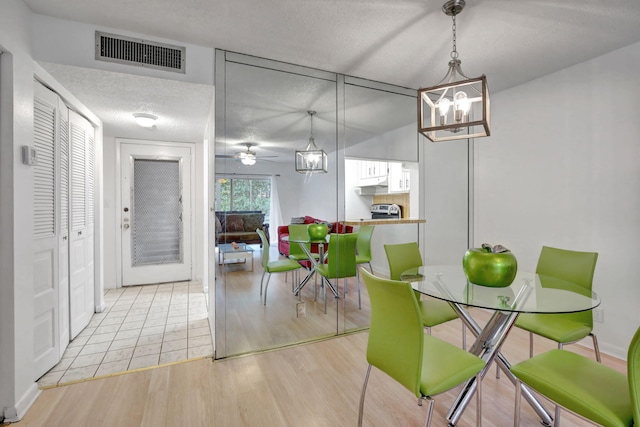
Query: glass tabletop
{"points": [[529, 292], [226, 248], [289, 239]]}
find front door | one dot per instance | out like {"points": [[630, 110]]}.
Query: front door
{"points": [[155, 212]]}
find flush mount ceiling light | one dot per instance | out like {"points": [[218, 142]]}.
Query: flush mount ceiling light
{"points": [[312, 159], [458, 106], [145, 120]]}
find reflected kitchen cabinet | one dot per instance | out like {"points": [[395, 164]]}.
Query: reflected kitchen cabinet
{"points": [[373, 169], [399, 178]]}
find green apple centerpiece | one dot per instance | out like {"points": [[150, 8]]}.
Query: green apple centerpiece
{"points": [[490, 266], [317, 231]]}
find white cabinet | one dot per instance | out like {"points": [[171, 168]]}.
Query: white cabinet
{"points": [[372, 169], [398, 178], [373, 173]]}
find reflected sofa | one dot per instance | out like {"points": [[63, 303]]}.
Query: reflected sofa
{"points": [[240, 227]]}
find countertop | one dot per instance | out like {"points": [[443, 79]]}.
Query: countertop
{"points": [[369, 221]]}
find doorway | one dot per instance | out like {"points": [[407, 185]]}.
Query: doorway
{"points": [[155, 212]]}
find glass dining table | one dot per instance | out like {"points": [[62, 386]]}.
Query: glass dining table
{"points": [[529, 293], [304, 245]]}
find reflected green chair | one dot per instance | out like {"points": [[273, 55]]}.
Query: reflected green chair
{"points": [[363, 245], [341, 261], [585, 387], [299, 232], [278, 266], [572, 266], [404, 256], [399, 347]]}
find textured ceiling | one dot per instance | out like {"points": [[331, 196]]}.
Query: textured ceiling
{"points": [[403, 42]]}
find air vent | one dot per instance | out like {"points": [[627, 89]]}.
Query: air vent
{"points": [[143, 53]]}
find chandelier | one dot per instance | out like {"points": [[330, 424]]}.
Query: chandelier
{"points": [[458, 106], [312, 159]]}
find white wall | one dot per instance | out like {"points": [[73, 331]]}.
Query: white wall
{"points": [[562, 168], [18, 388]]}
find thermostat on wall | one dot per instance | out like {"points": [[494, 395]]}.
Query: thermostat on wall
{"points": [[29, 155]]}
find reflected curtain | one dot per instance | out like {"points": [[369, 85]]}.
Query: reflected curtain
{"points": [[276, 214]]}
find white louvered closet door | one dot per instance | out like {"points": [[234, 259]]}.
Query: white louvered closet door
{"points": [[47, 344], [81, 191]]}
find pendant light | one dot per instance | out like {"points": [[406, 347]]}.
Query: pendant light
{"points": [[312, 159], [458, 106]]}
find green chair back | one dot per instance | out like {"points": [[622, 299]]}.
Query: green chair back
{"points": [[265, 248], [633, 374], [396, 336], [341, 256], [363, 245], [572, 266], [402, 257], [298, 232]]}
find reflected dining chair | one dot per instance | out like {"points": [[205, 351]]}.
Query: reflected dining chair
{"points": [[277, 266], [341, 262], [363, 246], [402, 257], [583, 386], [398, 346], [572, 266], [300, 232]]}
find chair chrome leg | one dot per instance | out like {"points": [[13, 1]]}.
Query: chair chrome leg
{"points": [[266, 286], [261, 280], [595, 347], [464, 337], [516, 412], [479, 401], [364, 389], [427, 422], [530, 344], [556, 419]]}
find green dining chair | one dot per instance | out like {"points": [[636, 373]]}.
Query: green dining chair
{"points": [[277, 266], [341, 262], [572, 266], [363, 245], [583, 386], [403, 256], [399, 347]]}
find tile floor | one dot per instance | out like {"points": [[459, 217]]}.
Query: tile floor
{"points": [[142, 326]]}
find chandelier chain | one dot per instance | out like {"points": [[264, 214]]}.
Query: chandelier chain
{"points": [[454, 52]]}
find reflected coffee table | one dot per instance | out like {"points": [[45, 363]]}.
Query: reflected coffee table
{"points": [[227, 254]]}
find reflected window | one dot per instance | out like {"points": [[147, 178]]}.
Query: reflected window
{"points": [[243, 194]]}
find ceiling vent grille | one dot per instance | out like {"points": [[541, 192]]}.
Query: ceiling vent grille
{"points": [[143, 53]]}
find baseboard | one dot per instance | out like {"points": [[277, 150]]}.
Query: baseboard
{"points": [[16, 413]]}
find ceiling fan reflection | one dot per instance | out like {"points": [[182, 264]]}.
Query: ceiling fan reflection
{"points": [[247, 157]]}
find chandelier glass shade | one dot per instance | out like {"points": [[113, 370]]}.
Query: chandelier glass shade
{"points": [[458, 106], [312, 159]]}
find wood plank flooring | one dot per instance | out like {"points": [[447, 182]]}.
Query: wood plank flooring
{"points": [[315, 384]]}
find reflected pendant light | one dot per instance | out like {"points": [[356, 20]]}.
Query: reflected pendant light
{"points": [[458, 106], [312, 159]]}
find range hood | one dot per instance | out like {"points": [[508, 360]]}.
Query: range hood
{"points": [[381, 181], [370, 186]]}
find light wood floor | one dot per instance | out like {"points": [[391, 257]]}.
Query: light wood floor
{"points": [[316, 384]]}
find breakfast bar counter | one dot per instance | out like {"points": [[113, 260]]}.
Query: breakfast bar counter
{"points": [[357, 222]]}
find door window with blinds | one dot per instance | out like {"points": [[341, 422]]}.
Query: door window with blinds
{"points": [[156, 236]]}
